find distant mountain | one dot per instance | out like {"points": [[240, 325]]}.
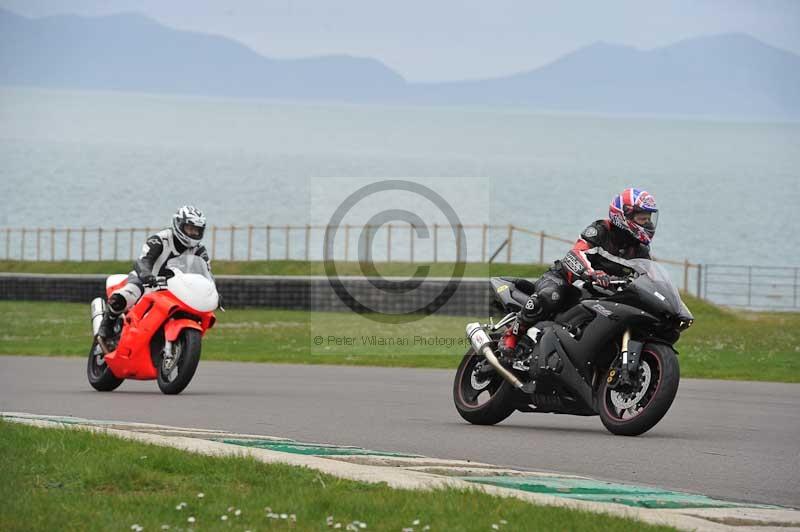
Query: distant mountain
{"points": [[725, 75], [132, 52]]}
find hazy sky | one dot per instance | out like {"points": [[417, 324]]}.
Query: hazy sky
{"points": [[432, 40]]}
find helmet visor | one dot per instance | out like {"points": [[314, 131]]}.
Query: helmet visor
{"points": [[193, 231], [647, 220]]}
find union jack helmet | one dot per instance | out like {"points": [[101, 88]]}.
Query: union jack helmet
{"points": [[630, 202]]}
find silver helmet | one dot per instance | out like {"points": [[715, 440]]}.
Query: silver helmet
{"points": [[188, 225]]}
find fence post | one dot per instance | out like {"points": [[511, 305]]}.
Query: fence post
{"points": [[308, 241], [233, 241], [83, 244], [38, 243], [287, 242], [541, 247], [99, 243], [8, 243], [459, 230], [269, 235], [411, 242], [699, 276], [749, 284], [795, 286], [510, 236], [69, 237], [22, 245], [214, 242], [483, 243], [346, 242], [52, 244], [116, 241], [389, 243], [250, 242], [435, 242], [130, 245], [686, 275]]}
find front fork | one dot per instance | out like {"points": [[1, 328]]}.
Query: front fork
{"points": [[631, 352]]}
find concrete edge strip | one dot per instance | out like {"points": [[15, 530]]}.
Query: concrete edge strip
{"points": [[689, 519]]}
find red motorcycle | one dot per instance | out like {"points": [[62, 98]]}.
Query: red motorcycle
{"points": [[160, 337]]}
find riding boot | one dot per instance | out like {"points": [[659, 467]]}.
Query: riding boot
{"points": [[106, 329], [509, 342], [116, 305]]}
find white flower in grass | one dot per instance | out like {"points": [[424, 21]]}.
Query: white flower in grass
{"points": [[201, 495], [292, 517], [230, 509], [416, 522], [329, 520], [284, 516], [237, 513], [503, 522], [191, 519], [408, 529], [495, 526], [337, 525], [426, 527], [136, 528], [164, 527], [362, 524]]}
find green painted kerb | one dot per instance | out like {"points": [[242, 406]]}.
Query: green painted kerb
{"points": [[598, 491], [312, 449]]}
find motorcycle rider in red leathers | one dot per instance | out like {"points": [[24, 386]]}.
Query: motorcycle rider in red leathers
{"points": [[627, 233]]}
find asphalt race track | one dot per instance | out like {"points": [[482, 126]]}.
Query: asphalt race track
{"points": [[732, 440]]}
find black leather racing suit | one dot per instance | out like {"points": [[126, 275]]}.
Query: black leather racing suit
{"points": [[553, 290]]}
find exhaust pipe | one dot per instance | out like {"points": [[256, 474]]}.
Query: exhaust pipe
{"points": [[481, 343], [98, 309]]}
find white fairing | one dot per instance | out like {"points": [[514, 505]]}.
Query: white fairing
{"points": [[115, 279], [193, 283]]}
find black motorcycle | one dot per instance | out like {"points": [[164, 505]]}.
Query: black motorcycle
{"points": [[611, 354]]}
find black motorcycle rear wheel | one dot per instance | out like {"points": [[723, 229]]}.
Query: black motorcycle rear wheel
{"points": [[482, 398], [634, 411], [100, 376]]}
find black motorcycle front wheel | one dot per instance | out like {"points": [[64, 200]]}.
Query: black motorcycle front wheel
{"points": [[634, 410], [480, 394], [97, 371], [175, 373]]}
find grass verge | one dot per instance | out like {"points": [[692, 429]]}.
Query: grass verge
{"points": [[62, 479], [723, 344]]}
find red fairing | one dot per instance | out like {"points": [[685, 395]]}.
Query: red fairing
{"points": [[132, 358]]}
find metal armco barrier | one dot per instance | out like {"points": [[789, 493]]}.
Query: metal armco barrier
{"points": [[472, 298]]}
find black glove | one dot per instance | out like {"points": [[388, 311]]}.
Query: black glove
{"points": [[601, 279], [149, 280]]}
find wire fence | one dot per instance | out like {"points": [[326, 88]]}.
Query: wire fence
{"points": [[479, 243], [753, 287]]}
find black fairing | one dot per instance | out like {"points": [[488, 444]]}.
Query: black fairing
{"points": [[588, 334]]}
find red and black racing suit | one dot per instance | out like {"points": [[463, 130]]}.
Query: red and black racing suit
{"points": [[553, 291]]}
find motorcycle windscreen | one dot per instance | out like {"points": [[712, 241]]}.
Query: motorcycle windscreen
{"points": [[658, 283], [193, 283]]}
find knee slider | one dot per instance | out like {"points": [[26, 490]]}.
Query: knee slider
{"points": [[532, 309], [117, 303]]}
